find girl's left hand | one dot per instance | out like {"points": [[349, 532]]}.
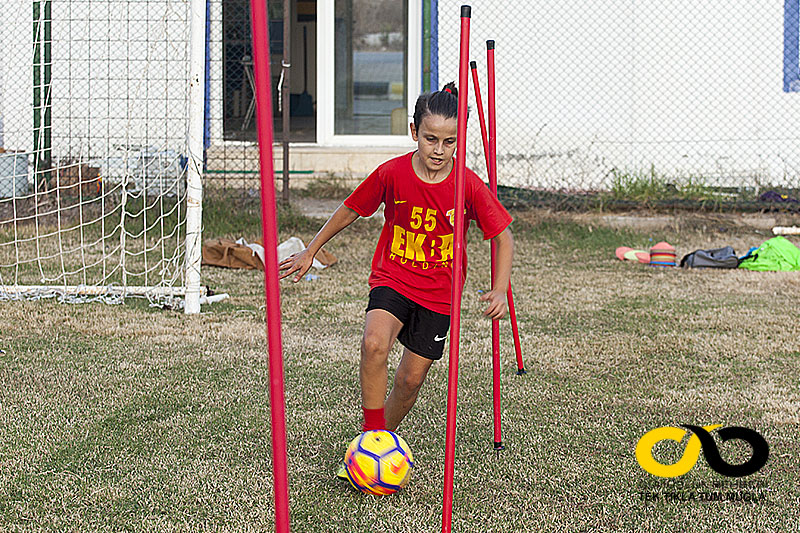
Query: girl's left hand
{"points": [[498, 306]]}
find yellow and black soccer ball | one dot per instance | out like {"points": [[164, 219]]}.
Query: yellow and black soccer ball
{"points": [[378, 462]]}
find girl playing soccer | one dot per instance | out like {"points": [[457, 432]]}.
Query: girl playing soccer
{"points": [[409, 297]]}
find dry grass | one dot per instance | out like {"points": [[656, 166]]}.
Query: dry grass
{"points": [[125, 418]]}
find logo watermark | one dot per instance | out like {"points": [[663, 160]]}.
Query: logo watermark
{"points": [[732, 489], [701, 438]]}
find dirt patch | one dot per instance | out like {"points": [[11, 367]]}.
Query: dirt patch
{"points": [[737, 223]]}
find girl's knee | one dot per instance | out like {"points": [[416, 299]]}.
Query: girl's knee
{"points": [[409, 382], [374, 346]]}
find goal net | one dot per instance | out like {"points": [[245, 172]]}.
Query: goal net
{"points": [[99, 164]]}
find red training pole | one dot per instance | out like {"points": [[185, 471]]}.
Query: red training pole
{"points": [[473, 66], [491, 169], [493, 186], [498, 441], [458, 280], [258, 17], [511, 309], [515, 330]]}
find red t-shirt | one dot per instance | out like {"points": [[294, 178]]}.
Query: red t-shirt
{"points": [[415, 250]]}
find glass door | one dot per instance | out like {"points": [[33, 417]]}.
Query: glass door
{"points": [[370, 73], [371, 54], [238, 77]]}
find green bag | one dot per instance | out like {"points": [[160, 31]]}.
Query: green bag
{"points": [[776, 254]]}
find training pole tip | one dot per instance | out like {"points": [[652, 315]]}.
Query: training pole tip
{"points": [[473, 64], [521, 372], [490, 45], [498, 446], [466, 11]]}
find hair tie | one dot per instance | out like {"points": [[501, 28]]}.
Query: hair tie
{"points": [[448, 90]]}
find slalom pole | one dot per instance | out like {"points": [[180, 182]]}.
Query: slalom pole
{"points": [[490, 86], [512, 311], [258, 17], [498, 441], [473, 66], [491, 169], [515, 330], [458, 278]]}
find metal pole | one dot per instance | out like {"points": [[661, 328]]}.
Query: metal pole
{"points": [[457, 281], [37, 91], [47, 88], [269, 224], [286, 63]]}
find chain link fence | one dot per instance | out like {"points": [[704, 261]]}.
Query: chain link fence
{"points": [[602, 105], [606, 104], [231, 163], [365, 32], [638, 103]]}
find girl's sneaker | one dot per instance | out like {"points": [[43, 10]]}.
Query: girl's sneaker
{"points": [[341, 472]]}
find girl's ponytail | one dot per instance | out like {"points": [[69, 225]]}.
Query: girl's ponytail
{"points": [[443, 103]]}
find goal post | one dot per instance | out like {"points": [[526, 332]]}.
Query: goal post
{"points": [[101, 150], [194, 183]]}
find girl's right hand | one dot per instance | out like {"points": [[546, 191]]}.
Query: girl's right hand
{"points": [[298, 262]]}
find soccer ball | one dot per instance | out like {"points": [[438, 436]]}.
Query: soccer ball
{"points": [[378, 462]]}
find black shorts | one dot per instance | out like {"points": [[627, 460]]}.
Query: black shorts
{"points": [[423, 332]]}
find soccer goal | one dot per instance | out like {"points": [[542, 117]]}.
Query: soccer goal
{"points": [[101, 150]]}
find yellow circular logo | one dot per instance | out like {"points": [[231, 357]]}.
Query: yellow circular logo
{"points": [[644, 451]]}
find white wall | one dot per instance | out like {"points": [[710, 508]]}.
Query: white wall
{"points": [[119, 76], [583, 87], [17, 79], [2, 87]]}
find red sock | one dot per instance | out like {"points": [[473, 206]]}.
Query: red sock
{"points": [[373, 419]]}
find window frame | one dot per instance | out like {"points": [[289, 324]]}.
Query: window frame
{"points": [[326, 78]]}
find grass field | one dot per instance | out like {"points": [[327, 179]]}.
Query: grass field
{"points": [[128, 418]]}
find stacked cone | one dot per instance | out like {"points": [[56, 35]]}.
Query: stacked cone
{"points": [[662, 254]]}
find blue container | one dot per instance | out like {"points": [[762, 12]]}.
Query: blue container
{"points": [[13, 175]]}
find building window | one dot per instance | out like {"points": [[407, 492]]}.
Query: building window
{"points": [[371, 75], [237, 48]]}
